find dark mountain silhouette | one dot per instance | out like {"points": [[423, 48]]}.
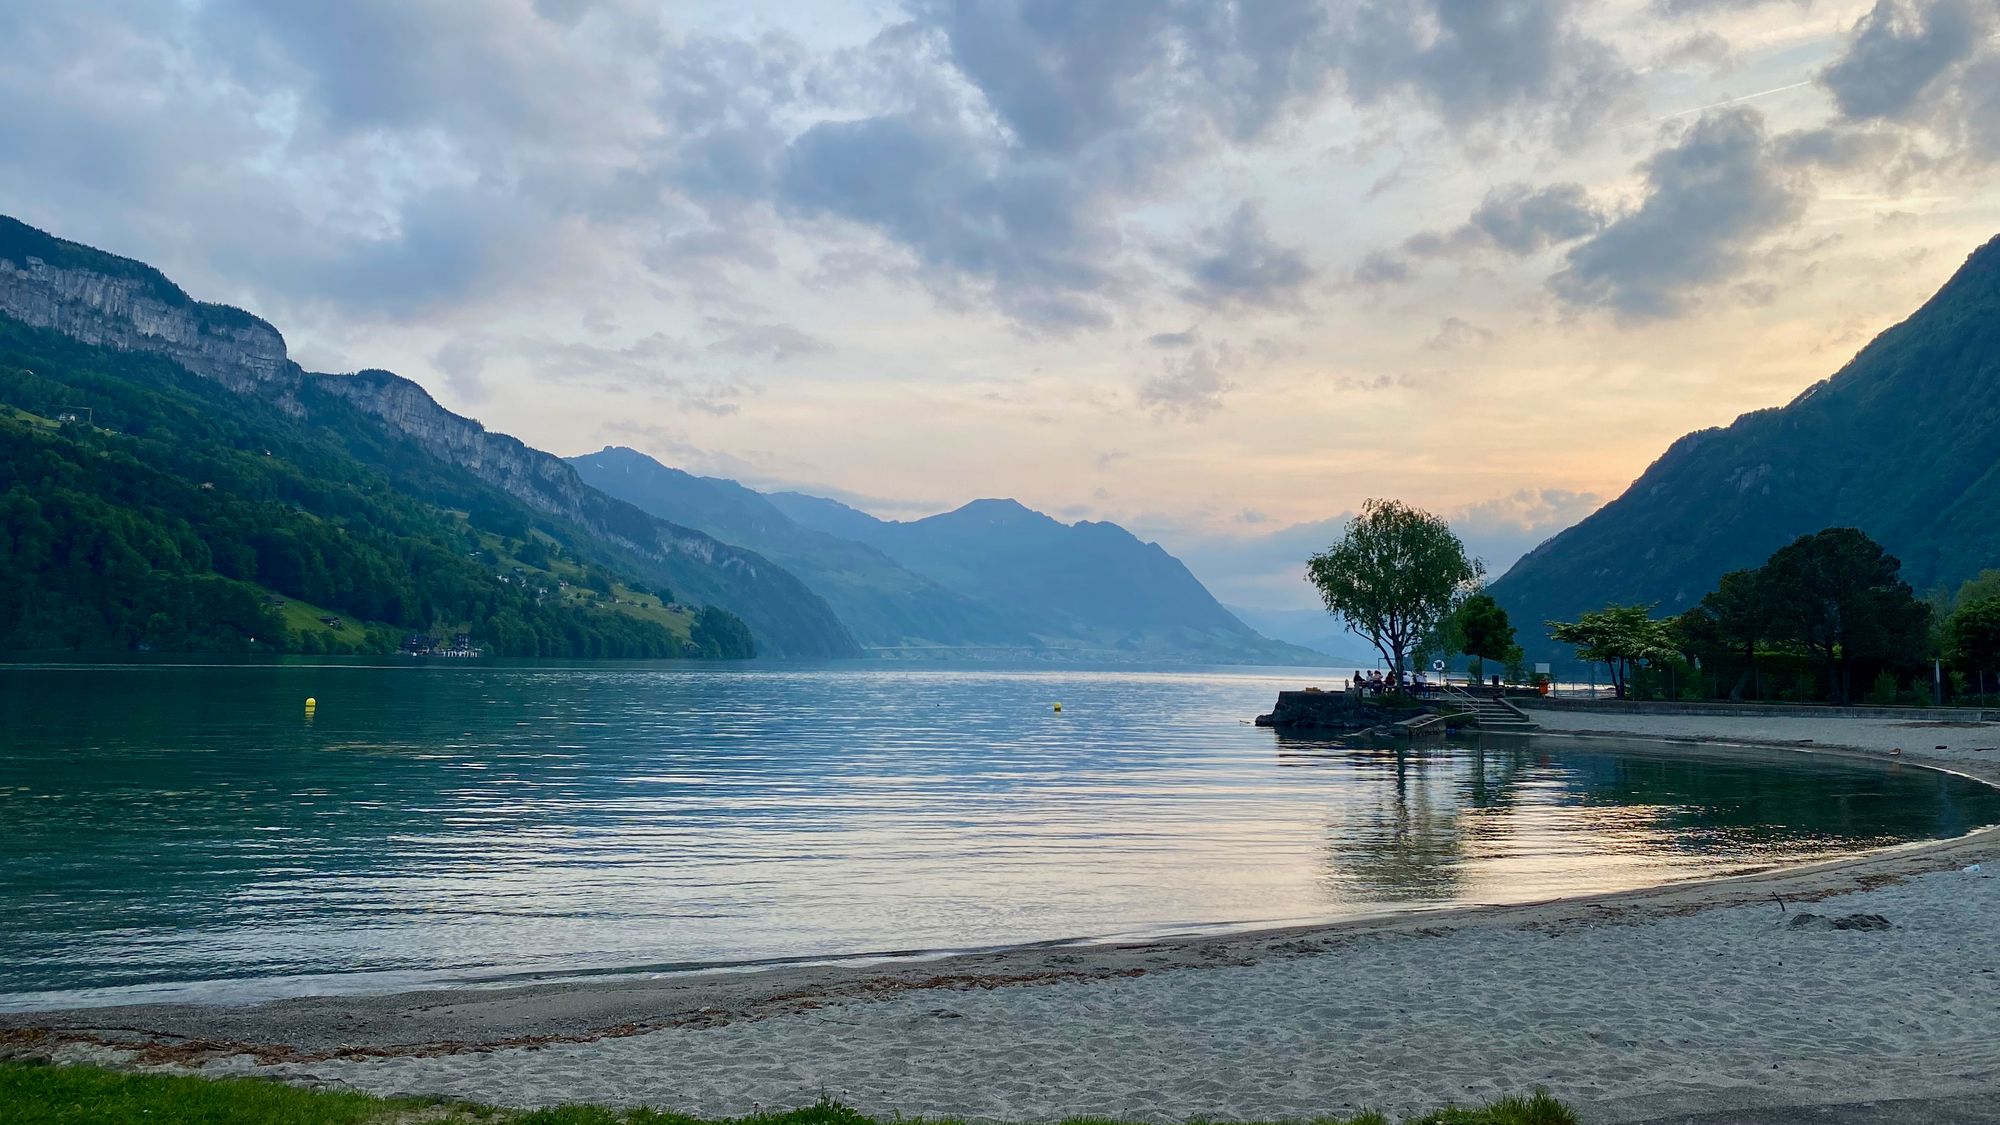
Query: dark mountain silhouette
{"points": [[1903, 443]]}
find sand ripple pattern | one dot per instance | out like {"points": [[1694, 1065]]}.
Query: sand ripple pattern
{"points": [[1728, 1007]]}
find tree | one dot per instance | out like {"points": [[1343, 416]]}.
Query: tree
{"points": [[1738, 614], [1978, 588], [1395, 575], [1843, 597], [1618, 636], [1972, 638], [721, 635], [1484, 631]]}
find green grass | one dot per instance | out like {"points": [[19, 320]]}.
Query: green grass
{"points": [[304, 617], [628, 602], [35, 1094], [37, 421], [82, 1095]]}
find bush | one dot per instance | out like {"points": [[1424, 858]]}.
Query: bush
{"points": [[1884, 692], [1699, 687]]}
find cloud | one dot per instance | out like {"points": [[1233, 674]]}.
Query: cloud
{"points": [[463, 363], [1678, 8], [1898, 53], [1190, 387], [1842, 147], [966, 215], [645, 361], [1930, 68], [1038, 122], [1979, 112], [391, 160], [1266, 567], [1238, 263], [1455, 333], [1383, 268], [1474, 61], [1186, 338], [1518, 220], [1514, 220], [719, 397], [1500, 530], [1135, 84], [1710, 196], [1701, 48], [772, 343], [1001, 183], [672, 447]]}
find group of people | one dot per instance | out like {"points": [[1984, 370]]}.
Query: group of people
{"points": [[1375, 683]]}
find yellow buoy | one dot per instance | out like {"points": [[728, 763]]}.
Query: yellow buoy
{"points": [[1058, 706], [311, 703]]}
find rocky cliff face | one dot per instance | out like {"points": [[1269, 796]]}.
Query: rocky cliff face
{"points": [[114, 302], [132, 314]]}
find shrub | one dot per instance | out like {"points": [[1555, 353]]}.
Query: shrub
{"points": [[1884, 691]]}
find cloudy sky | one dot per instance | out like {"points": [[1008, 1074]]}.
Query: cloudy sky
{"points": [[1216, 271]]}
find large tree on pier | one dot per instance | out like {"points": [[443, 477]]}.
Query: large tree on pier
{"points": [[1396, 573]]}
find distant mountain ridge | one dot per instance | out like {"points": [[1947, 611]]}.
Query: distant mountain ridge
{"points": [[993, 578], [885, 605], [1903, 443], [101, 299], [1091, 586]]}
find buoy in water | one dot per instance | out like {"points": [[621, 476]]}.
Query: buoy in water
{"points": [[1058, 707], [311, 703]]}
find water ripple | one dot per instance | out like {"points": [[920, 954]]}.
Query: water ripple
{"points": [[189, 833]]}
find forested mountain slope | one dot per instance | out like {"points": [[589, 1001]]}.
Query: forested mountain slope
{"points": [[146, 507], [433, 457], [1902, 443]]}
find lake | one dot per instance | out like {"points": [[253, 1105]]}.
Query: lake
{"points": [[190, 833]]}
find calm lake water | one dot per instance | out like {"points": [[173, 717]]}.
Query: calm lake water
{"points": [[189, 833]]}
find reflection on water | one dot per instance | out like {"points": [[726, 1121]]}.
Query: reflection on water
{"points": [[191, 832]]}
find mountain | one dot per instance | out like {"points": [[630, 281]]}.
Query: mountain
{"points": [[1092, 590], [1315, 629], [392, 427], [151, 508], [884, 604], [1903, 443]]}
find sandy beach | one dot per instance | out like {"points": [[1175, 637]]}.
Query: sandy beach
{"points": [[1874, 977]]}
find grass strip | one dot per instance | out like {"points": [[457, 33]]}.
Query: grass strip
{"points": [[41, 1094]]}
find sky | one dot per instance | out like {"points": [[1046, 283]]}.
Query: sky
{"points": [[1216, 271]]}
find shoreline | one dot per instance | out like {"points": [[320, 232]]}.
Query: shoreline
{"points": [[620, 1003], [471, 1019], [1721, 994]]}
